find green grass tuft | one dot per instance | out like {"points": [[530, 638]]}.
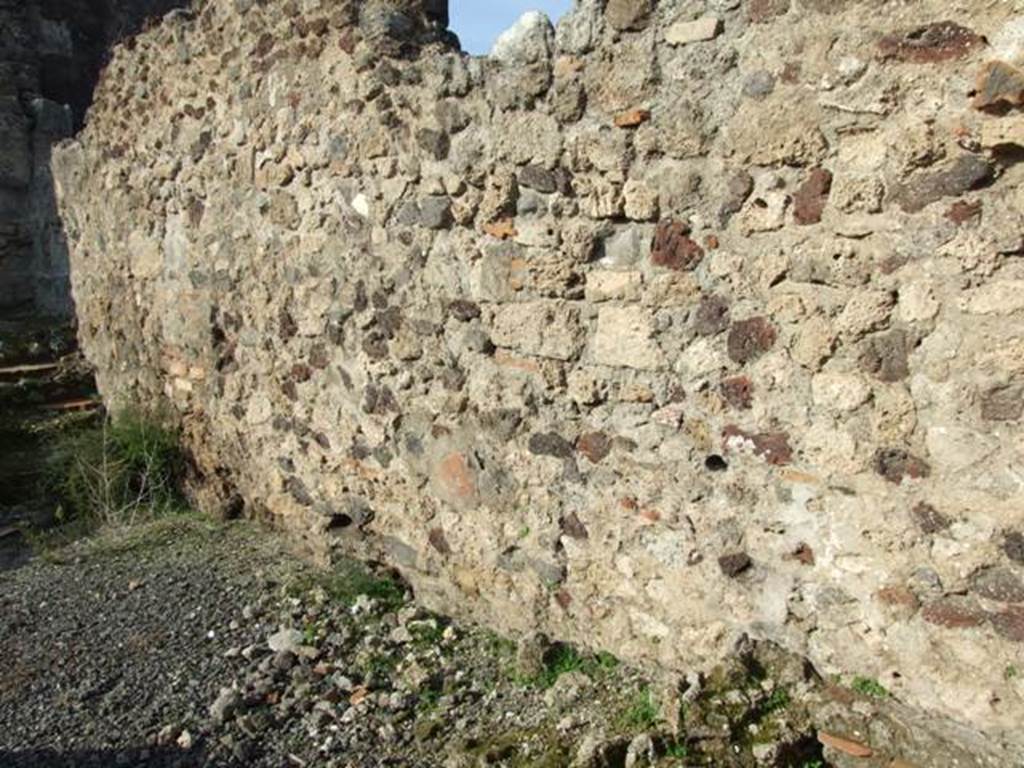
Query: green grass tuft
{"points": [[347, 580], [117, 472], [643, 712], [869, 687], [679, 750], [562, 660], [778, 700]]}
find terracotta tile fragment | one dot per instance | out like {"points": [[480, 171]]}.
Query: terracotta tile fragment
{"points": [[846, 746], [632, 118]]}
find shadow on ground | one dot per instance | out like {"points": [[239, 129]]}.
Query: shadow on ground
{"points": [[155, 757]]}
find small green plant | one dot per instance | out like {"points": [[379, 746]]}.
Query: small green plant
{"points": [[384, 590], [117, 472], [428, 700], [869, 687], [1011, 672], [560, 661], [813, 764], [679, 750], [778, 699], [309, 634], [349, 579], [498, 645], [643, 712], [380, 665], [427, 633], [605, 662]]}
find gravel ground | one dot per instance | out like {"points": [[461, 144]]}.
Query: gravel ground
{"points": [[188, 643], [103, 645]]}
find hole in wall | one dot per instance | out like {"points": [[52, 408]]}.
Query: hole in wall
{"points": [[478, 23], [338, 522], [715, 463]]}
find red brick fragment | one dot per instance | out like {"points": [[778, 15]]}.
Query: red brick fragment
{"points": [[738, 391], [961, 212], [932, 43], [954, 613], [673, 248], [900, 597], [810, 199], [803, 554], [594, 445], [751, 338], [457, 476], [1010, 623], [773, 447], [895, 464]]}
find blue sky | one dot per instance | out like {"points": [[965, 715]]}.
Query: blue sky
{"points": [[479, 22]]}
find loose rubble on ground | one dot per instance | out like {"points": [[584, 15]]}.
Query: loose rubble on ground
{"points": [[190, 643]]}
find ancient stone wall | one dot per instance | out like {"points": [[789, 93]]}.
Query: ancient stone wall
{"points": [[683, 321]]}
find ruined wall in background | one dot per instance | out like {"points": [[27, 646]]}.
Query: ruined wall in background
{"points": [[51, 52], [683, 321]]}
